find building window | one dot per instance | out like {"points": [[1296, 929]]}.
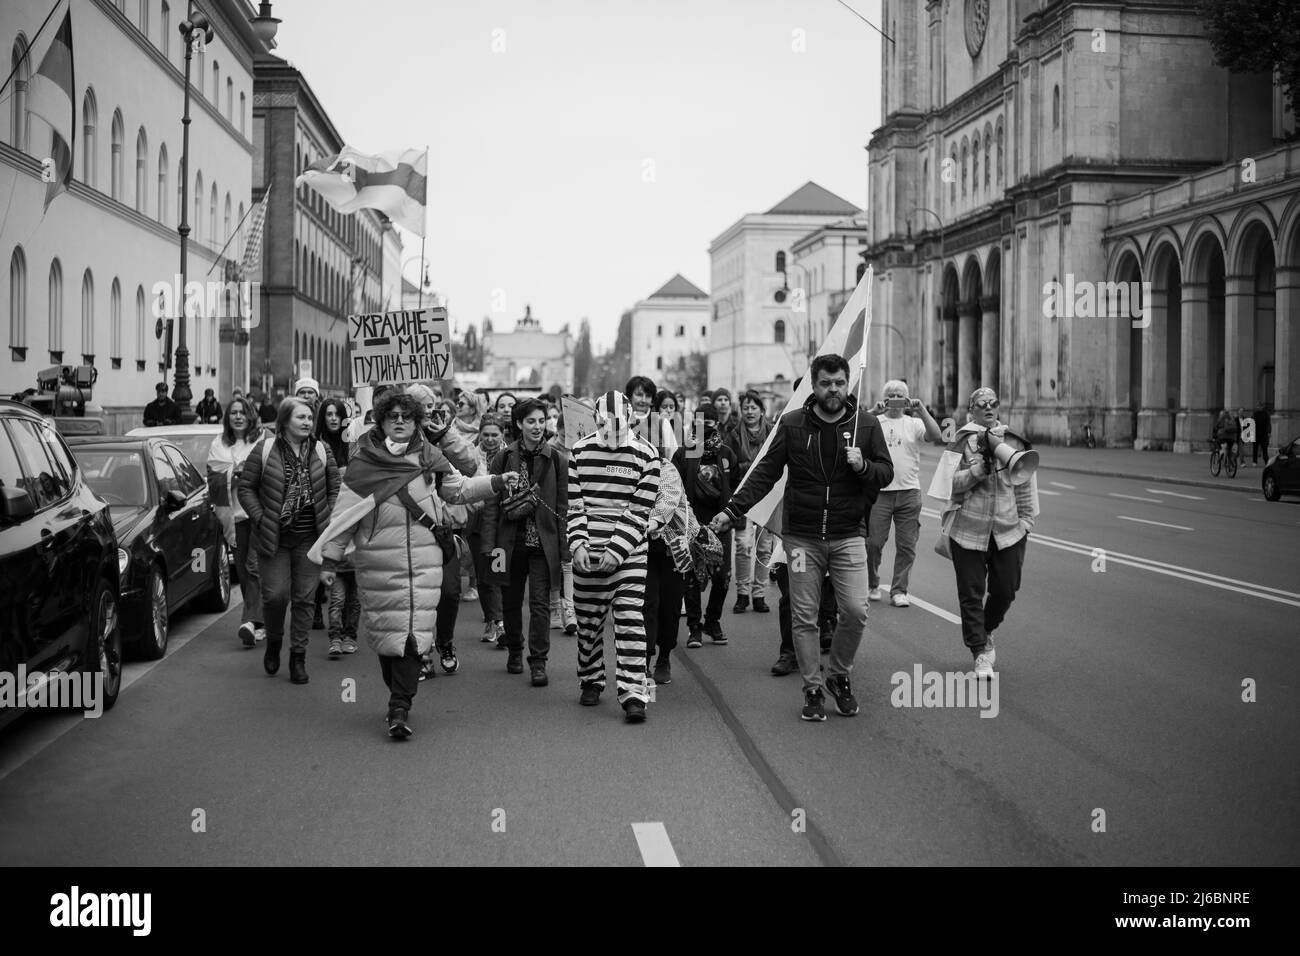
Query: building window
{"points": [[243, 115], [227, 217], [89, 120], [1056, 107], [988, 145], [660, 332], [780, 262], [115, 322], [56, 308], [965, 155], [216, 84], [166, 30], [20, 63], [659, 363], [162, 184], [198, 204], [780, 331], [115, 168], [141, 325], [975, 165], [141, 172], [18, 299], [681, 331], [999, 151], [212, 217], [952, 186], [144, 17], [87, 313], [230, 100]]}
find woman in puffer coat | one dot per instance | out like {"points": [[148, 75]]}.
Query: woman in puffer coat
{"points": [[398, 490]]}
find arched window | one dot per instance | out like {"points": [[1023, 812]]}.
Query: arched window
{"points": [[230, 99], [56, 310], [965, 156], [239, 243], [243, 114], [999, 150], [200, 58], [115, 323], [1056, 107], [197, 224], [144, 17], [780, 331], [216, 84], [18, 299], [162, 184], [20, 63], [89, 122], [87, 318], [780, 262], [952, 186], [166, 35], [975, 165], [988, 145], [141, 325], [115, 167], [227, 221], [141, 172], [212, 217]]}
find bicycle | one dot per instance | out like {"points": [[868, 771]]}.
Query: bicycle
{"points": [[1223, 460]]}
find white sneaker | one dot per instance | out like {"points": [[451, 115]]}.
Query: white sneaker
{"points": [[469, 594], [489, 633], [875, 594], [556, 623], [899, 599], [259, 634], [984, 664]]}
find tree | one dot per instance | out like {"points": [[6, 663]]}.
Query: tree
{"points": [[1256, 36], [690, 378], [582, 359]]}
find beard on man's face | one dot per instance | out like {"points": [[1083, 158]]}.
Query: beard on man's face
{"points": [[830, 403]]}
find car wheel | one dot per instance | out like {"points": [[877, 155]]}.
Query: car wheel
{"points": [[157, 624], [1271, 490], [104, 652], [217, 598]]}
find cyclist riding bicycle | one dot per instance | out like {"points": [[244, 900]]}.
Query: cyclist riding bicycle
{"points": [[1226, 433]]}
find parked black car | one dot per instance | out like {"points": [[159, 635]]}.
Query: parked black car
{"points": [[1282, 474], [172, 546], [59, 575]]}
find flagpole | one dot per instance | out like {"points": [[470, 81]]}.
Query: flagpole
{"points": [[27, 52], [236, 231], [425, 231], [862, 365]]}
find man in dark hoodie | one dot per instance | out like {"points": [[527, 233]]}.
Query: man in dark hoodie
{"points": [[708, 476], [834, 454]]}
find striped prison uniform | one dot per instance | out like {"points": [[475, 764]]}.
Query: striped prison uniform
{"points": [[611, 493]]}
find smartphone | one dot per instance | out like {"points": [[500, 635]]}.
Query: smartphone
{"points": [[898, 403]]}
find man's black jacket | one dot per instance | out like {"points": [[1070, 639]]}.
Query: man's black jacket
{"points": [[819, 503], [162, 411]]}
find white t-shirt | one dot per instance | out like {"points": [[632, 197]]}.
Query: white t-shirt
{"points": [[903, 436]]}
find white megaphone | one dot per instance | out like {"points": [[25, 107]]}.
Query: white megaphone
{"points": [[1021, 464]]}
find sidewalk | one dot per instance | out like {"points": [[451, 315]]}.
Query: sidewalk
{"points": [[1161, 466]]}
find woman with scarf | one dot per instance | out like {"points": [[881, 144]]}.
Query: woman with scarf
{"points": [[469, 411], [753, 543], [491, 439], [344, 601], [502, 406], [240, 432], [400, 489], [528, 546], [288, 489]]}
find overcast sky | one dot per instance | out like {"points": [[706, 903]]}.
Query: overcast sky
{"points": [[540, 153]]}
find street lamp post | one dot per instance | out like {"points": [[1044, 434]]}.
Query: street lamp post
{"points": [[197, 25]]}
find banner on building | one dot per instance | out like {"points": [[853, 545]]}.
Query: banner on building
{"points": [[579, 419], [389, 348]]}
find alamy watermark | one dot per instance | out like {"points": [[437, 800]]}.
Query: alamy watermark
{"points": [[52, 689], [1098, 300], [944, 689], [210, 298]]}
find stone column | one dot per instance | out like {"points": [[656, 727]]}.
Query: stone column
{"points": [[1286, 362], [967, 352], [1195, 418], [1153, 414], [951, 403], [990, 341], [1239, 342]]}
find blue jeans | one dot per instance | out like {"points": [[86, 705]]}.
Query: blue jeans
{"points": [[289, 579], [903, 509], [809, 561]]}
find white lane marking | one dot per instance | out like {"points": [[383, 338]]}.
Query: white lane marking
{"points": [[656, 848], [51, 727], [1161, 524], [1058, 484], [1174, 494], [1154, 501], [935, 610], [1044, 491]]}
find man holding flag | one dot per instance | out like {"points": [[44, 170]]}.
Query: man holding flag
{"points": [[833, 454]]}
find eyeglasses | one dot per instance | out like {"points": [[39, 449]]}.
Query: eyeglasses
{"points": [[987, 403], [399, 417]]}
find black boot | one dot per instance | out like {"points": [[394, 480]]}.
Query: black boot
{"points": [[515, 662], [271, 659], [298, 667]]}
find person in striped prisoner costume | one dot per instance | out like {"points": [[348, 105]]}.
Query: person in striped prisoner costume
{"points": [[613, 484]]}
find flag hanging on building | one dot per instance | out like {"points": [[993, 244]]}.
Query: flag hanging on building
{"points": [[847, 337], [50, 96], [253, 248], [395, 183]]}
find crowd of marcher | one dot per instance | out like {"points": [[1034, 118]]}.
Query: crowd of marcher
{"points": [[377, 517]]}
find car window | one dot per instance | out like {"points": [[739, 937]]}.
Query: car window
{"points": [[116, 476], [47, 483], [165, 474], [11, 473], [195, 448], [58, 452], [191, 481]]}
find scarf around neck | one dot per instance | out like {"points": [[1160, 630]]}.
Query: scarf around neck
{"points": [[374, 470]]}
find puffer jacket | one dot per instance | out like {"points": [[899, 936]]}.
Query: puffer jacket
{"points": [[398, 561], [261, 489]]}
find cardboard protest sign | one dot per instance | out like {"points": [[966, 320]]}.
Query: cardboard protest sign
{"points": [[579, 419], [389, 348]]}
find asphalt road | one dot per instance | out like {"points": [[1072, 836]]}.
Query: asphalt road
{"points": [[1120, 704]]}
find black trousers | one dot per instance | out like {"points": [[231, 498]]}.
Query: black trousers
{"points": [[1001, 567], [1261, 447], [402, 676], [528, 566], [444, 631], [718, 585], [664, 588], [826, 614]]}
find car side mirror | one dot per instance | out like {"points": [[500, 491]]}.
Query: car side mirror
{"points": [[174, 500], [16, 504]]}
